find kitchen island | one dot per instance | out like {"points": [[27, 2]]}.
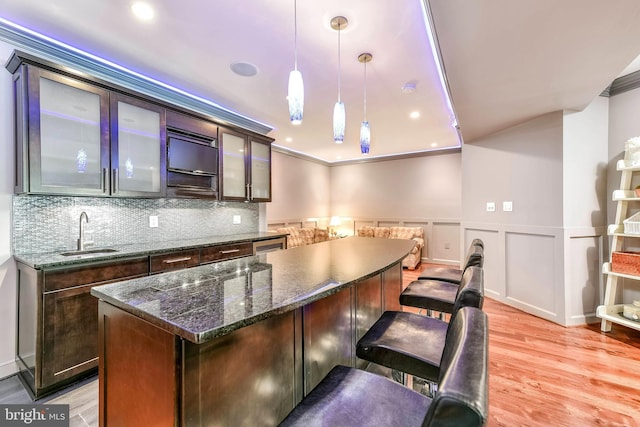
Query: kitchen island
{"points": [[240, 342]]}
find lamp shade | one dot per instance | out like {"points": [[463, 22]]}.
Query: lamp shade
{"points": [[365, 137], [296, 97], [338, 122]]}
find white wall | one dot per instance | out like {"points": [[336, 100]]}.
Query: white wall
{"points": [[544, 257], [300, 189], [419, 187], [7, 265], [585, 165], [522, 164], [585, 136], [524, 248]]}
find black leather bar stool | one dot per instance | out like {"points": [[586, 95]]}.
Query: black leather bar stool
{"points": [[351, 397], [474, 257], [439, 295], [412, 343]]}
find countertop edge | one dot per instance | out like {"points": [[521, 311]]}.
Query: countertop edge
{"points": [[57, 261], [203, 337]]}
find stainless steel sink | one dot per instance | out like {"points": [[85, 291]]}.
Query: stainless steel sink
{"points": [[88, 252]]}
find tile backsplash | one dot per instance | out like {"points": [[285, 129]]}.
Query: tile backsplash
{"points": [[51, 223]]}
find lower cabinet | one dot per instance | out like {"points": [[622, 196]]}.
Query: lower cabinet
{"points": [[69, 345], [58, 320], [57, 337]]}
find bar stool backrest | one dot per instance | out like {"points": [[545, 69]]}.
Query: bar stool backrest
{"points": [[475, 255], [471, 290], [462, 396]]}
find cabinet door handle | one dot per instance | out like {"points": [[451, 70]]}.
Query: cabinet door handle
{"points": [[230, 251], [174, 260], [248, 192], [115, 180], [104, 180]]}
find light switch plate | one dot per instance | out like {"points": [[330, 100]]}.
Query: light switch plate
{"points": [[153, 221], [237, 219], [507, 206], [491, 207]]}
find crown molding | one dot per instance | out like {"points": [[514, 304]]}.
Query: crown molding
{"points": [[303, 156], [66, 55], [623, 84]]}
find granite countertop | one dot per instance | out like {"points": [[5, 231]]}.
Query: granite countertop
{"points": [[55, 259], [205, 302]]}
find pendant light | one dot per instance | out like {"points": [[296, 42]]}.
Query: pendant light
{"points": [[295, 94], [365, 131], [338, 23]]}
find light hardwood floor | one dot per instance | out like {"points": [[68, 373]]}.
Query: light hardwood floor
{"points": [[540, 374], [543, 374]]}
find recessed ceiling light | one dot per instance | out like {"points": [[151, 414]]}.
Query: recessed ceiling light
{"points": [[143, 11], [414, 114], [288, 139], [434, 144], [244, 69]]}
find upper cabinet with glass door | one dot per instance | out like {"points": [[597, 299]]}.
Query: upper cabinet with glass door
{"points": [[245, 167], [76, 138], [260, 178], [138, 148], [62, 131]]}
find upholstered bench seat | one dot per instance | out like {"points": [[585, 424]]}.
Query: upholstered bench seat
{"points": [[413, 233]]}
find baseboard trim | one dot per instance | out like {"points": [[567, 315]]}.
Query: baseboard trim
{"points": [[8, 368]]}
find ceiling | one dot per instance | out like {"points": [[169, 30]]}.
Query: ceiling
{"points": [[505, 61]]}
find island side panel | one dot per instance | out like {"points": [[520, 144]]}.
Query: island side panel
{"points": [[138, 371], [245, 378], [368, 310], [328, 335], [392, 288]]}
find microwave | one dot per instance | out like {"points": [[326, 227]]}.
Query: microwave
{"points": [[191, 155], [192, 166]]}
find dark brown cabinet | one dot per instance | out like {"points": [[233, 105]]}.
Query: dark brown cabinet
{"points": [[224, 252], [79, 135], [69, 346], [58, 320], [174, 261], [62, 134], [58, 317], [245, 167], [192, 157], [75, 136]]}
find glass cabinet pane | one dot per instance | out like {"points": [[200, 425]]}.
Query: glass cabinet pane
{"points": [[233, 161], [139, 145], [260, 171], [70, 143]]}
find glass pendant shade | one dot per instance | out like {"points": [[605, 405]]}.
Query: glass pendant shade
{"points": [[296, 97], [338, 122], [365, 137]]}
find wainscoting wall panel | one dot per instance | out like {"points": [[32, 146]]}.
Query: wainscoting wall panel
{"points": [[529, 267], [583, 272], [550, 272]]}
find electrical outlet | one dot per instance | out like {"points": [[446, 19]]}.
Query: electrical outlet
{"points": [[507, 206], [237, 219], [491, 207], [153, 221]]}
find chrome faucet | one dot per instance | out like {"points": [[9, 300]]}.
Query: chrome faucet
{"points": [[81, 242]]}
